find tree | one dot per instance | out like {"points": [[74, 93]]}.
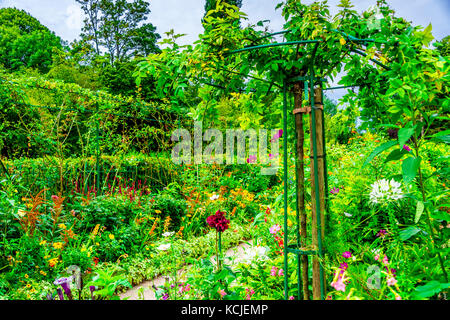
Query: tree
{"points": [[25, 42], [117, 27], [211, 5]]}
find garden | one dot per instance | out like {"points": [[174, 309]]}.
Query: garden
{"points": [[120, 173]]}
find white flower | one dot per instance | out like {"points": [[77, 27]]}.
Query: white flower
{"points": [[21, 213], [214, 197], [164, 247], [168, 234], [254, 253], [348, 214], [384, 191]]}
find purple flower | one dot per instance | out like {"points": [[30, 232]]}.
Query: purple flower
{"points": [[165, 296], [343, 266], [65, 284], [381, 233], [405, 147], [334, 190], [277, 136], [60, 294], [347, 254], [92, 289]]}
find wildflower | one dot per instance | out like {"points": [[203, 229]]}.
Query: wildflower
{"points": [[62, 226], [42, 242], [398, 297], [165, 296], [406, 148], [347, 214], [158, 211], [222, 293], [58, 245], [214, 197], [334, 190], [92, 289], [385, 260], [43, 272], [164, 247], [273, 271], [347, 254], [275, 229], [111, 236], [384, 191], [60, 294], [339, 284], [52, 262], [377, 256], [391, 281], [291, 298], [26, 276], [343, 266], [280, 273], [381, 233]]}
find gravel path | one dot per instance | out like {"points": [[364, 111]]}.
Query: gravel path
{"points": [[149, 293]]}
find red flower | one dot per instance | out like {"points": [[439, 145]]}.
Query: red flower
{"points": [[218, 221]]}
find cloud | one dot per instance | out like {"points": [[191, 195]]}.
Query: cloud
{"points": [[74, 19]]}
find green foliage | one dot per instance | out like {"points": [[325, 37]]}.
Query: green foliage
{"points": [[118, 26], [24, 42]]}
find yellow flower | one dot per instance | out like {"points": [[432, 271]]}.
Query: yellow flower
{"points": [[28, 285], [62, 226], [157, 211], [43, 272], [111, 236], [58, 245], [26, 276], [42, 242]]}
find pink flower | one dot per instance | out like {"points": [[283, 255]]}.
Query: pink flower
{"points": [[277, 136], [334, 190], [271, 156], [339, 284], [280, 273], [274, 271], [381, 233], [274, 229], [405, 147], [377, 256], [251, 159], [391, 281], [54, 197], [291, 298], [385, 260], [222, 293], [347, 254], [397, 297]]}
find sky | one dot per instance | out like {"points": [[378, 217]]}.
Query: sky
{"points": [[65, 17]]}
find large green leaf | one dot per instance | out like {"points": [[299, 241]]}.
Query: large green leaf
{"points": [[409, 169], [403, 135], [430, 289], [407, 233], [379, 150]]}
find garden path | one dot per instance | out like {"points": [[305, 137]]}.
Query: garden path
{"points": [[148, 291]]}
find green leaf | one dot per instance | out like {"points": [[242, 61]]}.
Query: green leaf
{"points": [[378, 150], [403, 135], [408, 233], [419, 210], [396, 155], [430, 289], [409, 169]]}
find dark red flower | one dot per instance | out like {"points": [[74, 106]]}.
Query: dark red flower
{"points": [[218, 221]]}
